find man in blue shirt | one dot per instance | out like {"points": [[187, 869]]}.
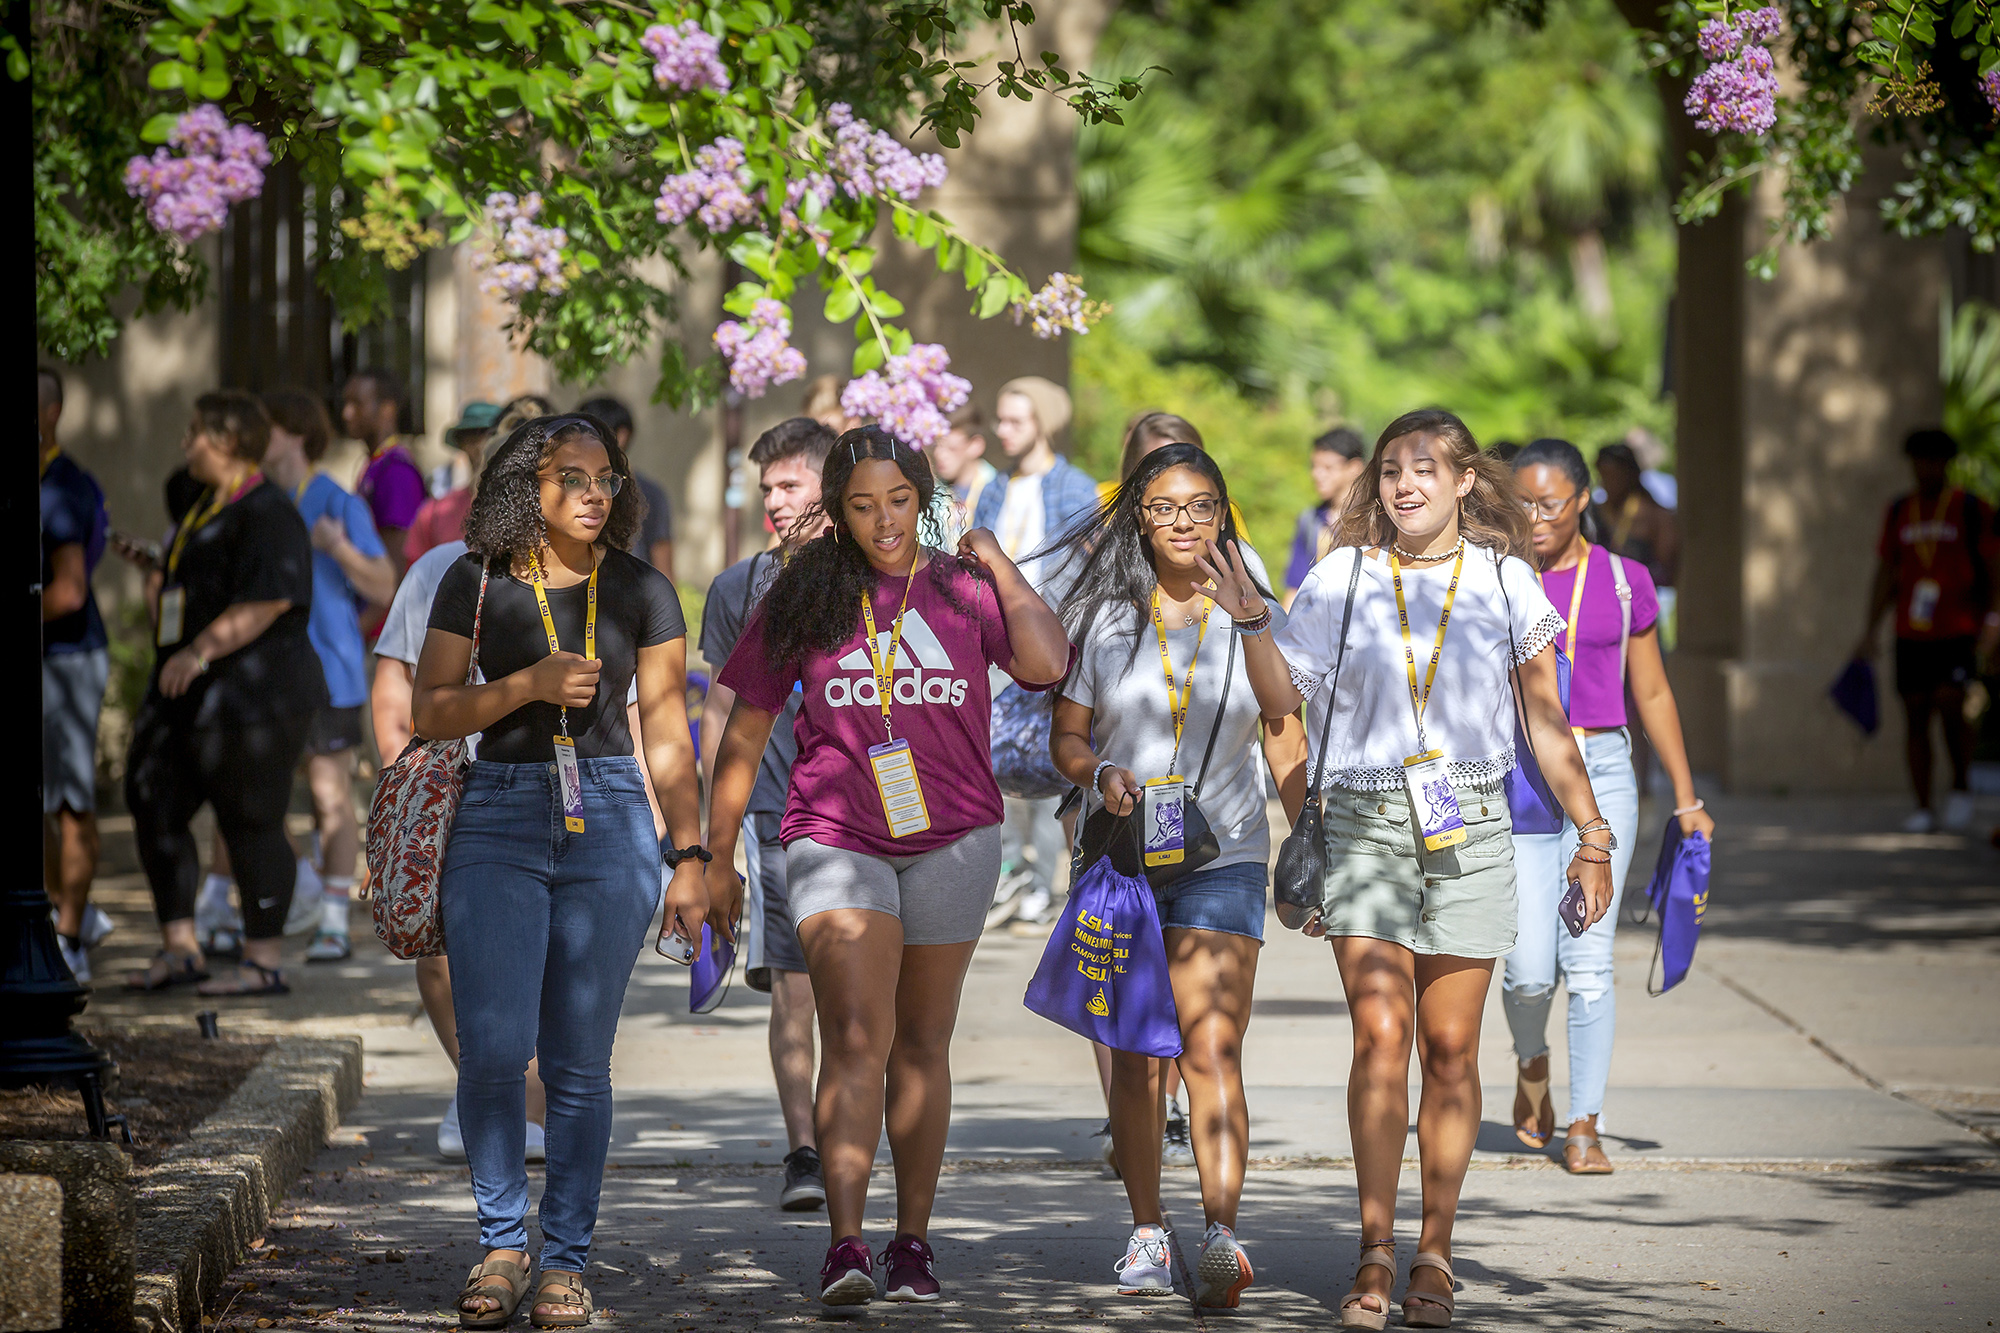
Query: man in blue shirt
{"points": [[76, 663], [351, 569], [1338, 458]]}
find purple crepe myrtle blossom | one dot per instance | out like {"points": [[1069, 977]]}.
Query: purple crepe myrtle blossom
{"points": [[1989, 83], [190, 195], [867, 161], [912, 397], [757, 350], [526, 257], [686, 58], [1060, 305], [715, 191], [1739, 95]]}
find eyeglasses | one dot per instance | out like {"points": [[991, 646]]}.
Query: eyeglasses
{"points": [[1545, 512], [575, 484], [1165, 513]]}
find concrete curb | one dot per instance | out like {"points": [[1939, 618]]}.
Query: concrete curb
{"points": [[200, 1207]]}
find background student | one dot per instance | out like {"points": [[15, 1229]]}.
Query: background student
{"points": [[1339, 457], [789, 459]]}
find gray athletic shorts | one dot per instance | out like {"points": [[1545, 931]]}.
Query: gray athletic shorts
{"points": [[72, 695], [765, 855], [941, 896]]}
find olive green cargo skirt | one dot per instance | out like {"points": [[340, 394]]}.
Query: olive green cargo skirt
{"points": [[1381, 884]]}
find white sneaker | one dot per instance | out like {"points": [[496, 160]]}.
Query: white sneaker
{"points": [[1007, 896], [1037, 909], [97, 924], [538, 1142], [451, 1143], [1958, 812], [1147, 1268], [1920, 821], [307, 891], [77, 958], [1223, 1271]]}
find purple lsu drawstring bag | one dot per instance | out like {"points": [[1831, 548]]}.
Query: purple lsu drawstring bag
{"points": [[1530, 800], [709, 974], [1104, 972], [1679, 895]]}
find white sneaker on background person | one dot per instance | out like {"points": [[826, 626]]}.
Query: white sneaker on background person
{"points": [[1958, 812], [217, 923], [1920, 821], [538, 1139], [1037, 908], [307, 895], [1175, 1149], [97, 924], [76, 958], [1147, 1268], [451, 1143]]}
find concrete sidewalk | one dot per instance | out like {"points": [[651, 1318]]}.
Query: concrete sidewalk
{"points": [[1815, 1105]]}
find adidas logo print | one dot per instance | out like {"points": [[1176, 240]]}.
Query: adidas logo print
{"points": [[917, 659]]}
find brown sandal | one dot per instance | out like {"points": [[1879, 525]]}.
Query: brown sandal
{"points": [[568, 1290], [1576, 1156], [1533, 1093], [478, 1287]]}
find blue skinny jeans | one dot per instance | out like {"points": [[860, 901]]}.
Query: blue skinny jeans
{"points": [[1543, 947], [544, 926]]}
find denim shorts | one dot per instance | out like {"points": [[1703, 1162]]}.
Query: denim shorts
{"points": [[1226, 899]]}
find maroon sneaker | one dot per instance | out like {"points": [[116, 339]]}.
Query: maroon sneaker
{"points": [[908, 1263], [848, 1275]]}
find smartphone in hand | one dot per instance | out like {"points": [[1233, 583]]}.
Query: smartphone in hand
{"points": [[146, 555], [674, 946], [1574, 909]]}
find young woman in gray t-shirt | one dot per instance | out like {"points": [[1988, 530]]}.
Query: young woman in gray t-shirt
{"points": [[1145, 697]]}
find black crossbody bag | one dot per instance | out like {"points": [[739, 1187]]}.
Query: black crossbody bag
{"points": [[1120, 837], [1300, 875]]}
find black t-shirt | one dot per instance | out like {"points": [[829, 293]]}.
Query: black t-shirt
{"points": [[255, 550], [636, 608]]}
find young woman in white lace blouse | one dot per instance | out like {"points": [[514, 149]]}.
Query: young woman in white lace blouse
{"points": [[1418, 898]]}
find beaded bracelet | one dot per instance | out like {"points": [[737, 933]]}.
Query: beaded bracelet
{"points": [[1256, 626], [1689, 809]]}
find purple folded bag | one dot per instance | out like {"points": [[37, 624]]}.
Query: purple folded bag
{"points": [[1679, 895], [1529, 799]]}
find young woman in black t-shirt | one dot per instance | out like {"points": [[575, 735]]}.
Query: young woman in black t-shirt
{"points": [[234, 687], [552, 873]]}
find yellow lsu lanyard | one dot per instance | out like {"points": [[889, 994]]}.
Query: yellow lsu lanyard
{"points": [[1575, 616], [217, 502], [1179, 698], [885, 673], [1927, 550], [589, 621], [1419, 702]]}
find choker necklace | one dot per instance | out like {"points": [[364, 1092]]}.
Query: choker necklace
{"points": [[1458, 546]]}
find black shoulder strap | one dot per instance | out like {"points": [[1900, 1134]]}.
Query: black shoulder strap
{"points": [[1228, 675], [1339, 656]]}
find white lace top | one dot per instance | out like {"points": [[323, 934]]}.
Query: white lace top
{"points": [[1471, 711]]}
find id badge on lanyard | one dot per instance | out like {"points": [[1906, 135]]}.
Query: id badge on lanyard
{"points": [[1433, 803], [1924, 603], [569, 774], [1165, 822], [892, 763], [173, 615]]}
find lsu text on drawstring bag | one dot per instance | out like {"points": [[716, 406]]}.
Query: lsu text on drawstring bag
{"points": [[1679, 895], [1104, 972]]}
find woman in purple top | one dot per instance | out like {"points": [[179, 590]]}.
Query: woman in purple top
{"points": [[891, 829], [1611, 612]]}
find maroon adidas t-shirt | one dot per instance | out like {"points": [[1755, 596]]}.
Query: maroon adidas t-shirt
{"points": [[942, 705]]}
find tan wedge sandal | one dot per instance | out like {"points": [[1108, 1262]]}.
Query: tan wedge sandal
{"points": [[1442, 1304], [563, 1289], [479, 1287], [1535, 1093], [1353, 1314], [1576, 1156]]}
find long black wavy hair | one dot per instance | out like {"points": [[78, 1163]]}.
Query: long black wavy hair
{"points": [[1567, 459], [505, 521], [814, 605], [1112, 555]]}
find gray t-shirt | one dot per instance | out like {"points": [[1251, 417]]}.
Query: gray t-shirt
{"points": [[410, 613], [731, 598], [1133, 727]]}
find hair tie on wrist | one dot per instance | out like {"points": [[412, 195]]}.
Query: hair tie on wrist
{"points": [[1689, 809]]}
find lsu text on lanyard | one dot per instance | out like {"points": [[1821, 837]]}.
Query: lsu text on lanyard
{"points": [[885, 672], [1179, 698], [589, 619], [1418, 702]]}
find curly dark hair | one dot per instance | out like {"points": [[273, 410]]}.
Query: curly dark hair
{"points": [[505, 522], [1109, 550], [814, 605]]}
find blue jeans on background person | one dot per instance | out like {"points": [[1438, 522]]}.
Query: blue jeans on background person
{"points": [[544, 926], [1543, 945]]}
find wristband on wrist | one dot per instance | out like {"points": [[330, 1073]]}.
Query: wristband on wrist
{"points": [[1097, 773], [673, 856], [1688, 809]]}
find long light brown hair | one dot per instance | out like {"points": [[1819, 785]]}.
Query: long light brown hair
{"points": [[1490, 515]]}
